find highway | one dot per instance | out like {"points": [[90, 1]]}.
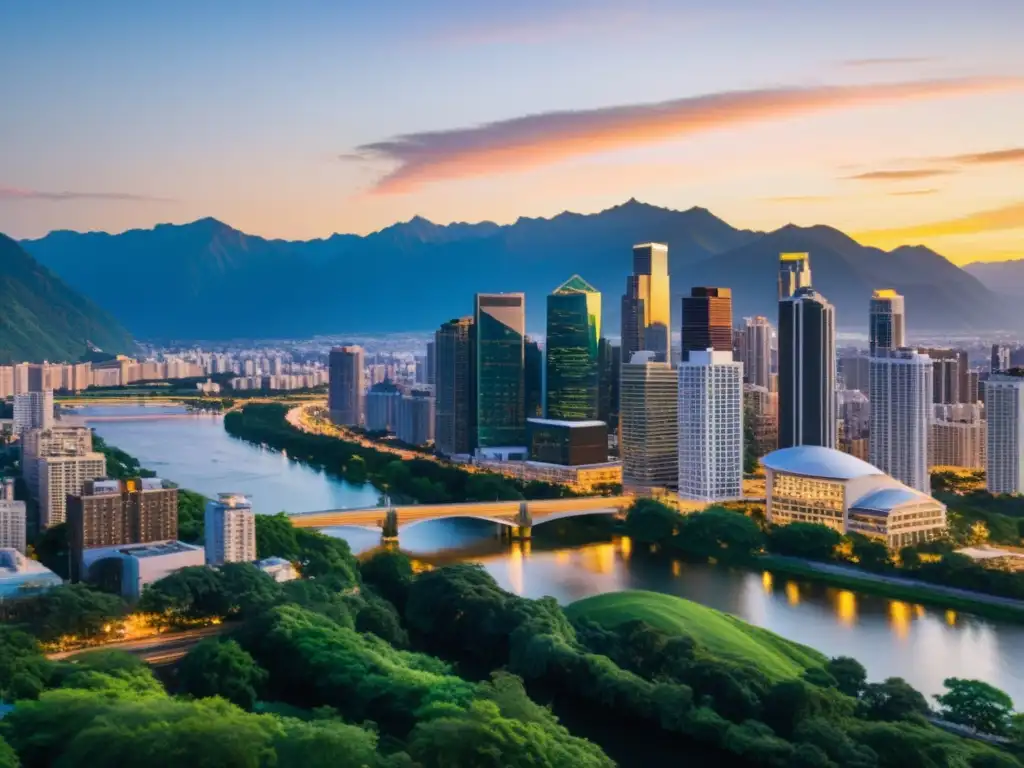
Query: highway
{"points": [[157, 649]]}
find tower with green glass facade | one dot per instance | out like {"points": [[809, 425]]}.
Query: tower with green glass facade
{"points": [[573, 368], [500, 325]]}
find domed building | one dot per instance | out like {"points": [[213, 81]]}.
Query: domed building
{"points": [[812, 484]]}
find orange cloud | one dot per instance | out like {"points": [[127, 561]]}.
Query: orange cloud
{"points": [[1015, 155], [914, 192], [913, 173], [798, 199], [1009, 217], [542, 139]]}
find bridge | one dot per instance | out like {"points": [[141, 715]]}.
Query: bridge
{"points": [[518, 516]]}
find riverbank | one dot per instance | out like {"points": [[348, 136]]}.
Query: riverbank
{"points": [[936, 595]]}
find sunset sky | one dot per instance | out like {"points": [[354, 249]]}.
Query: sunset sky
{"points": [[894, 120]]}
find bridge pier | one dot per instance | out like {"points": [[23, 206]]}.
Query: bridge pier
{"points": [[389, 529]]}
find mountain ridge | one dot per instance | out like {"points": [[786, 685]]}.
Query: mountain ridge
{"points": [[412, 275]]}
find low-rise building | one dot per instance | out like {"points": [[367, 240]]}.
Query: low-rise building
{"points": [[279, 569], [581, 478], [21, 577], [567, 443], [12, 525], [142, 564]]}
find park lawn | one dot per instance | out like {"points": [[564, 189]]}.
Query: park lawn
{"points": [[718, 634]]}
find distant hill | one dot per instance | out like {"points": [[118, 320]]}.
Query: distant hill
{"points": [[1006, 277], [207, 280], [41, 318]]}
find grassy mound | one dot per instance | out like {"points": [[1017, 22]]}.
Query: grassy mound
{"points": [[718, 634]]}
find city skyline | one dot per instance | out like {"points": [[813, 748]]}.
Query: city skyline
{"points": [[889, 129]]}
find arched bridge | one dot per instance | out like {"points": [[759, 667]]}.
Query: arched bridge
{"points": [[519, 516]]}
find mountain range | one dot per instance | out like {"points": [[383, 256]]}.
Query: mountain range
{"points": [[1004, 277], [41, 318], [206, 280]]}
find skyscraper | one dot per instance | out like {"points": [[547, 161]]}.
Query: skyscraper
{"points": [[952, 374], [901, 415], [646, 305], [383, 403], [757, 349], [710, 426], [416, 418], [794, 273], [455, 404], [807, 370], [707, 321], [230, 529], [533, 378], [609, 364], [33, 410], [12, 525], [500, 321], [573, 333], [959, 436], [1000, 358], [648, 423], [886, 322], [431, 362], [1004, 409], [345, 386]]}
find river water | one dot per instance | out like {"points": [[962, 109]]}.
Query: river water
{"points": [[924, 645]]}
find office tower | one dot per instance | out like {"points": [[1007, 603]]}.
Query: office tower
{"points": [[649, 423], [110, 513], [12, 525], [901, 415], [345, 399], [854, 422], [710, 426], [973, 388], [757, 351], [609, 362], [807, 370], [533, 379], [707, 321], [761, 413], [646, 305], [33, 410], [500, 321], [794, 273], [382, 405], [1000, 358], [431, 378], [1004, 411], [230, 527], [887, 321], [573, 331], [455, 406], [416, 418], [952, 374], [959, 436], [63, 476]]}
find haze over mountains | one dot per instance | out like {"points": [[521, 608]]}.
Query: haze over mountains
{"points": [[41, 318], [207, 280]]}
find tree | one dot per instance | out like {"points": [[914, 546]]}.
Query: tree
{"points": [[389, 572], [975, 704], [326, 557], [380, 618], [190, 594], [718, 533], [910, 558], [275, 537], [850, 675], [218, 667], [811, 541], [8, 758], [651, 522], [74, 610], [248, 590], [325, 744], [24, 671], [894, 699], [977, 534], [870, 553], [191, 516]]}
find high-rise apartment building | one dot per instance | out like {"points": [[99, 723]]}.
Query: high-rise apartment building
{"points": [[58, 440], [1000, 358], [794, 273], [886, 321], [63, 476], [807, 370], [959, 436], [500, 325], [710, 426], [707, 321], [952, 375], [12, 525], [646, 305], [573, 334], [1004, 411], [901, 415], [416, 418], [854, 422], [455, 400], [109, 513], [648, 423], [33, 410], [757, 351], [345, 398], [383, 402], [230, 527], [855, 373], [761, 411]]}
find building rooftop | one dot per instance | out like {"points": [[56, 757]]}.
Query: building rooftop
{"points": [[562, 423], [816, 461], [13, 563], [884, 500], [157, 549], [793, 256]]}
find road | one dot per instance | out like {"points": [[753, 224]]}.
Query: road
{"points": [[157, 649]]}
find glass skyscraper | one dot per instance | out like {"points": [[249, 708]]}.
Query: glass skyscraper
{"points": [[573, 337], [500, 322], [887, 322], [794, 273], [707, 321], [807, 370], [646, 305], [454, 391]]}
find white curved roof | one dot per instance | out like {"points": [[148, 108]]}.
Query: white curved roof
{"points": [[887, 499], [816, 461]]}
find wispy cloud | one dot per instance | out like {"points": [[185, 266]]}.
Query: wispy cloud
{"points": [[1008, 217], [18, 193], [798, 199], [901, 175], [887, 61], [1015, 155], [542, 139], [914, 192]]}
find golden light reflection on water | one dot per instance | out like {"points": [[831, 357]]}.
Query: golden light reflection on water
{"points": [[767, 582], [792, 593], [515, 567], [600, 558], [626, 547], [677, 568], [951, 618], [899, 618], [846, 607]]}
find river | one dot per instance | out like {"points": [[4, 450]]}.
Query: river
{"points": [[924, 645]]}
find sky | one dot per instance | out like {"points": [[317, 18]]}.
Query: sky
{"points": [[897, 121]]}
